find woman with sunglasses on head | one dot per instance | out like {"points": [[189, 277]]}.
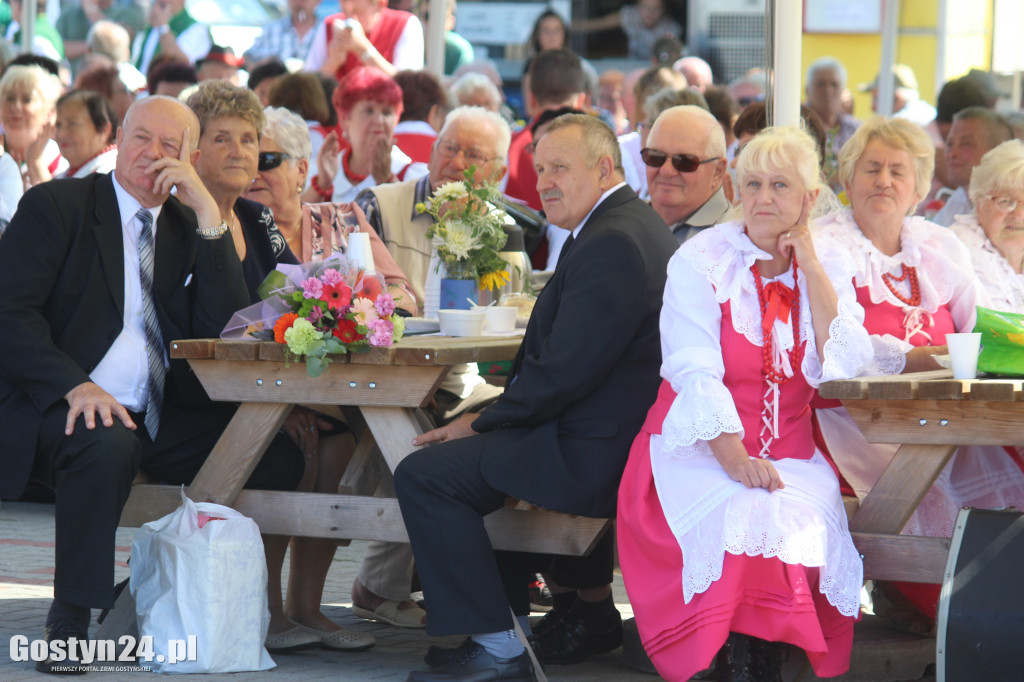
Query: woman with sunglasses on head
{"points": [[916, 284], [732, 534], [369, 103], [231, 121]]}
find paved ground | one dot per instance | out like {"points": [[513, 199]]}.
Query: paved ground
{"points": [[26, 574]]}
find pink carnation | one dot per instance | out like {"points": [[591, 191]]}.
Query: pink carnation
{"points": [[385, 305], [312, 288], [332, 277], [380, 332], [364, 310]]}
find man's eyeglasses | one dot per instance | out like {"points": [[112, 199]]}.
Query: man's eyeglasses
{"points": [[684, 163], [450, 150], [271, 160], [1004, 203]]}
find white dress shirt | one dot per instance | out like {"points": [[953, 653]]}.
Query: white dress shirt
{"points": [[124, 370]]}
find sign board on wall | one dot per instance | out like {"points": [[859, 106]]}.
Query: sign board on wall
{"points": [[504, 23], [842, 16]]}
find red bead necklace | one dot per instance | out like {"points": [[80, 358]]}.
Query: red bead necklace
{"points": [[796, 352], [909, 272]]}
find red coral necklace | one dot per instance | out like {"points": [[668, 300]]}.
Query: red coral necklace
{"points": [[908, 273]]}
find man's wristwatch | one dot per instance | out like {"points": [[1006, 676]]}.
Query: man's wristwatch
{"points": [[212, 232]]}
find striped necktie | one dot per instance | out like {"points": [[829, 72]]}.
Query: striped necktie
{"points": [[154, 340]]}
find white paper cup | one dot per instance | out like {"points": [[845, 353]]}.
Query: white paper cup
{"points": [[360, 252], [461, 322], [500, 318], [963, 354]]}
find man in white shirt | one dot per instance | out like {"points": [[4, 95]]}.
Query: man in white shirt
{"points": [[171, 31], [100, 274]]}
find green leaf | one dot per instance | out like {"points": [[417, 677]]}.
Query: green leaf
{"points": [[316, 366], [335, 346]]}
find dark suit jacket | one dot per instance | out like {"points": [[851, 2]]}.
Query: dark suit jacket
{"points": [[588, 367], [62, 301]]}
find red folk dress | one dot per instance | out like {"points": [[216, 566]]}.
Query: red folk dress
{"points": [[701, 554]]}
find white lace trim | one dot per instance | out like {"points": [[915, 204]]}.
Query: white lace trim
{"points": [[703, 409], [1004, 285], [932, 250], [803, 523]]}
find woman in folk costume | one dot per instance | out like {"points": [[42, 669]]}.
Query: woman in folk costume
{"points": [[916, 284], [731, 528]]}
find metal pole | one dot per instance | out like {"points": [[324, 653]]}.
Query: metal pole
{"points": [[435, 37], [886, 77], [29, 12], [785, 74]]}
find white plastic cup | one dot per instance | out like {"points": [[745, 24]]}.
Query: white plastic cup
{"points": [[963, 354], [359, 251]]}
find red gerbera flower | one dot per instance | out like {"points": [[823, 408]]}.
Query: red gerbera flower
{"points": [[346, 331], [337, 297]]}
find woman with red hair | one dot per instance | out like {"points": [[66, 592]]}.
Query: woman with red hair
{"points": [[369, 103]]}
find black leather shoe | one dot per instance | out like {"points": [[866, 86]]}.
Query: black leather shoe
{"points": [[62, 631], [471, 663], [544, 624], [439, 655], [570, 640]]}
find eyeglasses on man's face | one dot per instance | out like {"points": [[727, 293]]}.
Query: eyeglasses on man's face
{"points": [[450, 150]]}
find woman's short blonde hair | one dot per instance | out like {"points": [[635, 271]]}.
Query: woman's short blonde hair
{"points": [[1000, 170], [781, 148], [220, 99], [898, 133], [29, 78]]}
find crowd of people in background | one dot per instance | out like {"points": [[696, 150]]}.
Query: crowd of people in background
{"points": [[332, 115]]}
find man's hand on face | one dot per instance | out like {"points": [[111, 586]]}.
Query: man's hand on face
{"points": [[170, 172]]}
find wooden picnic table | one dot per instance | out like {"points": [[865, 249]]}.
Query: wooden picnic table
{"points": [[386, 386], [929, 414]]}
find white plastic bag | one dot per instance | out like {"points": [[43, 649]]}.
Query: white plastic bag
{"points": [[208, 582]]}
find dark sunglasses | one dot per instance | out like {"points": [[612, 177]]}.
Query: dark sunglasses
{"points": [[684, 163], [271, 160]]}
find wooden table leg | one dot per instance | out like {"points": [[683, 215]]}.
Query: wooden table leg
{"points": [[394, 429], [903, 484], [238, 451]]}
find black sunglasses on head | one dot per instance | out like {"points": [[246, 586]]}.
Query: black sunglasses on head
{"points": [[684, 163], [271, 160]]}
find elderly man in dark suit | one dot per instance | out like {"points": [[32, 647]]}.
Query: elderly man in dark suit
{"points": [[98, 275], [559, 435]]}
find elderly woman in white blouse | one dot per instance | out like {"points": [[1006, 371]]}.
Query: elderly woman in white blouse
{"points": [[730, 526], [994, 232]]}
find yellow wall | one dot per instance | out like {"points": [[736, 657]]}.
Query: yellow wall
{"points": [[968, 44]]}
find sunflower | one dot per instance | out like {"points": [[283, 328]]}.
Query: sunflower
{"points": [[494, 280]]}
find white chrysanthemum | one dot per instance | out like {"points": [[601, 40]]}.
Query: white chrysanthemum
{"points": [[450, 191], [458, 239]]}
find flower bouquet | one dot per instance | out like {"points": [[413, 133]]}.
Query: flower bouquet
{"points": [[467, 231], [320, 309]]}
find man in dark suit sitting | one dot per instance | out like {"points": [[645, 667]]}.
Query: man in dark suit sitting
{"points": [[559, 436], [98, 275]]}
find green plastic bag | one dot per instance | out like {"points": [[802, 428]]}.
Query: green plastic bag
{"points": [[1002, 342]]}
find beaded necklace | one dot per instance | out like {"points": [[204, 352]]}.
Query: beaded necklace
{"points": [[908, 272], [771, 373]]}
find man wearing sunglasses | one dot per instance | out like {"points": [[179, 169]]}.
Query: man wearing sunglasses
{"points": [[686, 165]]}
